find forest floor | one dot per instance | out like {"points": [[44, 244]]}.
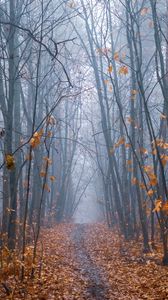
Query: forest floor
{"points": [[87, 262]]}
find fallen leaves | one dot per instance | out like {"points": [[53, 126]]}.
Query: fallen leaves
{"points": [[67, 267], [131, 274]]}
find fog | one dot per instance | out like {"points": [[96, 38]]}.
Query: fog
{"points": [[83, 119]]}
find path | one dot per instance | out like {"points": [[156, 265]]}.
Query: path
{"points": [[97, 288]]}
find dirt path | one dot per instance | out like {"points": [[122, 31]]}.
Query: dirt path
{"points": [[97, 286]]}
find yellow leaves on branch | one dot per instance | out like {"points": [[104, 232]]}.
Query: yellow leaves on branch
{"points": [[133, 94], [150, 192], [160, 143], [161, 205], [130, 120], [129, 162], [158, 205], [9, 161], [49, 134], [47, 160], [123, 70], [148, 169], [110, 88], [164, 159], [142, 186], [110, 69], [52, 178], [143, 150], [127, 145], [36, 139], [9, 210], [120, 142], [153, 179], [165, 207], [116, 56], [42, 173], [106, 82], [119, 56]]}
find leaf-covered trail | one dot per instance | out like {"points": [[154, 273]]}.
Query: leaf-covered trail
{"points": [[96, 282], [86, 262]]}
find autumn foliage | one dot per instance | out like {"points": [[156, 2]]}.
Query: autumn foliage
{"points": [[81, 261]]}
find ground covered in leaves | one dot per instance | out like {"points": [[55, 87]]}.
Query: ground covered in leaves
{"points": [[87, 262]]}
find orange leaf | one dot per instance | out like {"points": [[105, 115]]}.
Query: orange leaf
{"points": [[110, 69], [158, 205], [121, 141], [130, 120], [142, 186], [165, 207], [10, 161], [127, 145], [134, 92], [42, 173], [164, 162], [48, 160], [154, 152], [150, 193], [116, 56], [143, 150], [134, 180], [148, 169], [110, 88], [52, 178], [123, 70], [49, 134], [165, 146], [153, 182], [36, 139]]}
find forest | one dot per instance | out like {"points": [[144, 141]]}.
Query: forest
{"points": [[83, 149]]}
